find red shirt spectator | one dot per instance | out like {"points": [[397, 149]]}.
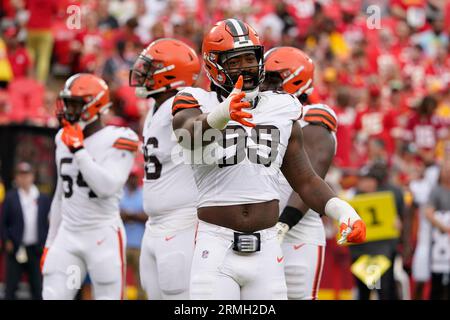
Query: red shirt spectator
{"points": [[345, 113], [373, 121], [27, 97], [42, 13], [423, 131], [447, 16], [345, 135], [87, 45], [20, 61], [18, 56], [63, 38], [423, 127], [413, 11]]}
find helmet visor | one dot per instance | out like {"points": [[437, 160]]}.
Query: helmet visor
{"points": [[72, 107], [141, 75]]}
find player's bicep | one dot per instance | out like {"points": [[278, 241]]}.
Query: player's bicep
{"points": [[319, 145], [183, 118], [296, 166]]}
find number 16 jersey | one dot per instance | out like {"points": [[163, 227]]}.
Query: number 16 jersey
{"points": [[169, 187]]}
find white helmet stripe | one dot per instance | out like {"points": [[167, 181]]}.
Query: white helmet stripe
{"points": [[296, 73], [238, 28], [71, 80]]}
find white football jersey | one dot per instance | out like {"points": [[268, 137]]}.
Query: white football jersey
{"points": [[169, 187], [310, 228], [242, 165], [81, 207]]}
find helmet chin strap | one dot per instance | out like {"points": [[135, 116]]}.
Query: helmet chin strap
{"points": [[142, 92]]}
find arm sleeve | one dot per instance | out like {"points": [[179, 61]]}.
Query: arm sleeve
{"points": [[108, 177], [55, 215]]}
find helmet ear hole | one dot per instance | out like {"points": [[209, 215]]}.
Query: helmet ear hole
{"points": [[303, 98], [297, 82], [169, 77]]}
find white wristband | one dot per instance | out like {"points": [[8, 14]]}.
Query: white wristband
{"points": [[341, 211], [219, 117]]}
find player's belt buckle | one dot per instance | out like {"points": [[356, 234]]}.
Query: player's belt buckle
{"points": [[247, 242]]}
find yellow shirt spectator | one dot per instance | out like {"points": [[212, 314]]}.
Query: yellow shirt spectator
{"points": [[5, 67]]}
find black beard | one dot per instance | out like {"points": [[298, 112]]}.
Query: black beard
{"points": [[244, 73]]}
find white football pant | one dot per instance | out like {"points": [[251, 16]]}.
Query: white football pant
{"points": [[99, 252], [165, 263], [220, 273], [303, 265]]}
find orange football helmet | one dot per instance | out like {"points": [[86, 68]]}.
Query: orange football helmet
{"points": [[164, 65], [226, 39], [289, 69], [83, 98]]}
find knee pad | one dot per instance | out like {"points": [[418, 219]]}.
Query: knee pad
{"points": [[173, 273], [108, 280], [105, 272], [296, 281]]}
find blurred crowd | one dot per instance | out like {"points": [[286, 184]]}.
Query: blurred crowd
{"points": [[382, 65]]}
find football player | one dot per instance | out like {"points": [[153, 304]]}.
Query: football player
{"points": [[170, 193], [93, 162], [291, 70], [242, 140]]}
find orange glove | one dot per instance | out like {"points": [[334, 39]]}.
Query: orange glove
{"points": [[352, 228], [354, 234], [44, 255], [231, 109], [72, 136], [236, 105]]}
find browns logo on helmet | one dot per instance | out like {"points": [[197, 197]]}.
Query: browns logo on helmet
{"points": [[289, 69], [164, 65], [84, 97], [227, 39]]}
